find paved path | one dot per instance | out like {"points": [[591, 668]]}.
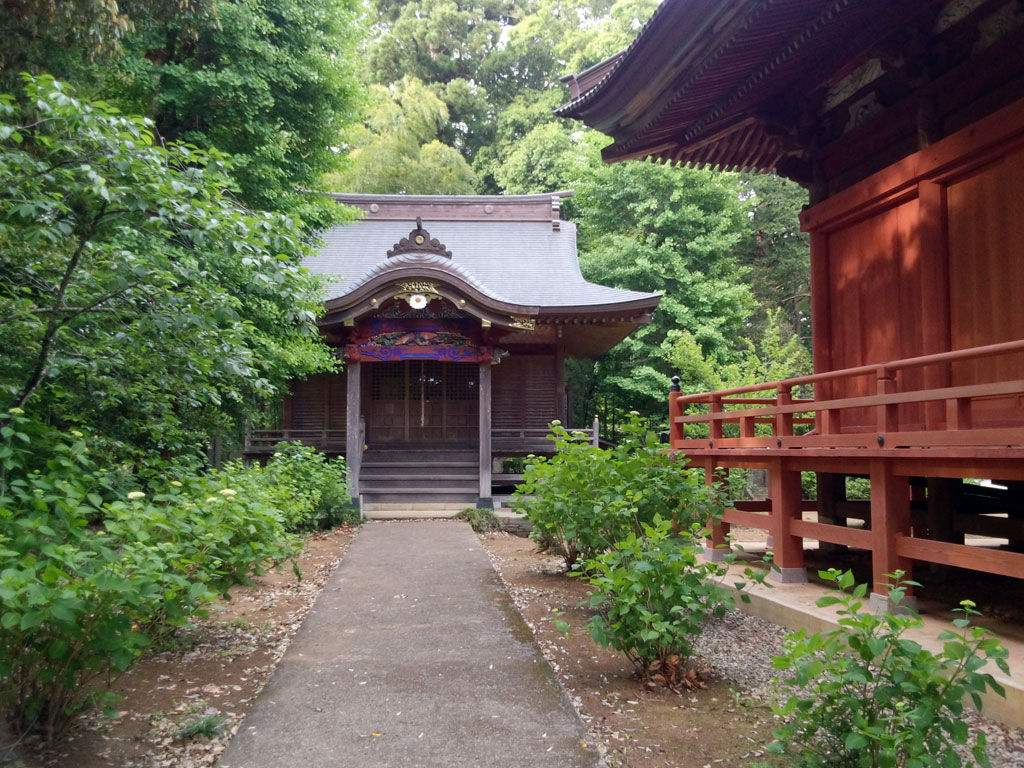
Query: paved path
{"points": [[413, 655]]}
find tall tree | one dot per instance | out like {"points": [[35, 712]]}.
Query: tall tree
{"points": [[395, 150], [135, 295], [271, 83]]}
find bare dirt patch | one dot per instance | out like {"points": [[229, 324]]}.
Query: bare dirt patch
{"points": [[207, 681], [723, 724]]}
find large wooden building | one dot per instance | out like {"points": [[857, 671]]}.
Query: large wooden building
{"points": [[905, 120], [454, 316]]}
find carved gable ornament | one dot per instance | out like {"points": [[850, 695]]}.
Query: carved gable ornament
{"points": [[419, 241]]}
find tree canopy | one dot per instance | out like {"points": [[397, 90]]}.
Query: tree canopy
{"points": [[136, 295]]}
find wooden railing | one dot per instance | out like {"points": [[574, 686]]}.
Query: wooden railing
{"points": [[948, 412], [536, 438], [264, 440]]}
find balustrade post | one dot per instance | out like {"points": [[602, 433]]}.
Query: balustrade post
{"points": [[784, 421], [676, 431], [595, 438], [888, 413], [715, 406]]}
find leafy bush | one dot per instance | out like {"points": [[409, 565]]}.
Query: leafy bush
{"points": [[481, 520], [653, 595], [865, 696], [584, 498], [71, 595], [86, 585], [301, 471]]}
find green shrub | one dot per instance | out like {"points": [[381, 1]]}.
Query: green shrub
{"points": [[71, 596], [481, 520], [577, 499], [653, 595], [865, 696], [86, 585], [302, 472]]}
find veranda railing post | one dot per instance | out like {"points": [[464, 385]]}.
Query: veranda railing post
{"points": [[784, 421], [888, 413], [716, 424], [676, 431]]}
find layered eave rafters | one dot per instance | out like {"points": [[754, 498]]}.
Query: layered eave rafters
{"points": [[693, 91]]}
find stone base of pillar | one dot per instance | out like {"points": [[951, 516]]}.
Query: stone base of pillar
{"points": [[485, 502], [882, 604], [715, 554], [788, 575]]}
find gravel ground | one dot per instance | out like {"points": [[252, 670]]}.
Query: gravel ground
{"points": [[739, 648]]}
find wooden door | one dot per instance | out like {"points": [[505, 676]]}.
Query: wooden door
{"points": [[423, 402]]}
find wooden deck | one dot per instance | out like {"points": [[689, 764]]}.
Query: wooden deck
{"points": [[910, 442]]}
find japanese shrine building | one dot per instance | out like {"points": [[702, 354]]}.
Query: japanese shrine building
{"points": [[905, 121], [454, 316]]}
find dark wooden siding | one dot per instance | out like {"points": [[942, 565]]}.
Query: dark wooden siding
{"points": [[524, 394], [319, 400]]}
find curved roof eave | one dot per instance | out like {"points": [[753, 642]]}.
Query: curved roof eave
{"points": [[426, 267]]}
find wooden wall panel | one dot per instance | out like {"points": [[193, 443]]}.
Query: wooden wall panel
{"points": [[986, 246], [524, 392], [874, 304], [317, 398]]}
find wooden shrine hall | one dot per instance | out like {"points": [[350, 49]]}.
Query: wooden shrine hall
{"points": [[905, 121], [454, 316]]}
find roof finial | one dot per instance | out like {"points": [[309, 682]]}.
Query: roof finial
{"points": [[419, 222]]}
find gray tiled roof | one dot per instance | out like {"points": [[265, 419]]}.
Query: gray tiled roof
{"points": [[520, 262]]}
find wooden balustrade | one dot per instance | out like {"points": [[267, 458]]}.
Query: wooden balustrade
{"points": [[765, 426]]}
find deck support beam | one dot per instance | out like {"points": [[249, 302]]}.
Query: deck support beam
{"points": [[890, 519], [486, 499], [716, 546], [786, 497]]}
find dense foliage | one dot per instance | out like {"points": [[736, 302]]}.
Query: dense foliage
{"points": [[867, 696], [136, 296], [270, 82], [92, 574], [583, 499], [631, 521], [652, 594]]}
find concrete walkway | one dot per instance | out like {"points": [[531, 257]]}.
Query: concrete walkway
{"points": [[413, 655]]}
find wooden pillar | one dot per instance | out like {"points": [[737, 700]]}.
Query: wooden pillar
{"points": [[561, 403], [786, 496], [486, 500], [890, 518], [353, 434], [933, 253], [1015, 512], [821, 314], [716, 546]]}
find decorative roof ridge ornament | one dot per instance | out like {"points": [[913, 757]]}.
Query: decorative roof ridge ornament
{"points": [[419, 241]]}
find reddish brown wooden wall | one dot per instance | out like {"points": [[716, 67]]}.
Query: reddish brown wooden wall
{"points": [[923, 257], [986, 235], [524, 394]]}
